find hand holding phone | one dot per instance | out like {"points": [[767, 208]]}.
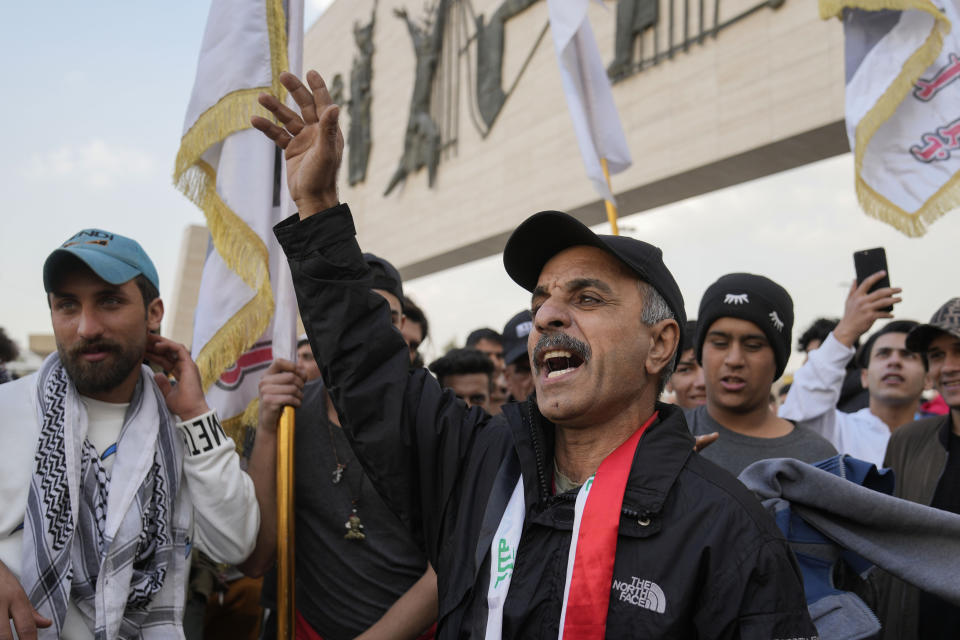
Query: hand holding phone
{"points": [[870, 299], [869, 261]]}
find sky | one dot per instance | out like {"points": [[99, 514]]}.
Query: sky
{"points": [[94, 105], [95, 100]]}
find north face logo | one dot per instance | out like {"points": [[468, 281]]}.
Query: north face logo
{"points": [[641, 593], [736, 298]]}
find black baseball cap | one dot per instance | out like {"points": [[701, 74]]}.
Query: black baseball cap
{"points": [[515, 336], [545, 234]]}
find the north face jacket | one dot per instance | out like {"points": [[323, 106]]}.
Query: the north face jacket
{"points": [[696, 557]]}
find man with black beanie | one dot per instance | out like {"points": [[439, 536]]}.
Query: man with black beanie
{"points": [[743, 344]]}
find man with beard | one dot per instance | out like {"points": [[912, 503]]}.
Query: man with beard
{"points": [[111, 472], [578, 511]]}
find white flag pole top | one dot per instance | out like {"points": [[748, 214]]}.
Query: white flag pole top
{"points": [[903, 88], [589, 96], [227, 168]]}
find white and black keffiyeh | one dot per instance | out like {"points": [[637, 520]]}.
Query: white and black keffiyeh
{"points": [[104, 540]]}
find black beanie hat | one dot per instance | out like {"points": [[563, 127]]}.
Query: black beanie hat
{"points": [[753, 298]]}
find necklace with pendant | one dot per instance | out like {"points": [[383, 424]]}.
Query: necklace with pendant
{"points": [[353, 525]]}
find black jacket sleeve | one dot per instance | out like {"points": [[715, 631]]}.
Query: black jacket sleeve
{"points": [[410, 436]]}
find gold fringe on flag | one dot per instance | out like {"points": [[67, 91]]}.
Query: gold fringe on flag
{"points": [[236, 427], [245, 253], [241, 249], [875, 205]]}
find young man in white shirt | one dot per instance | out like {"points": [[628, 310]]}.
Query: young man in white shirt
{"points": [[894, 376], [111, 472]]}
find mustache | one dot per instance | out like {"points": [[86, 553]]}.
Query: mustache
{"points": [[89, 346], [559, 341]]}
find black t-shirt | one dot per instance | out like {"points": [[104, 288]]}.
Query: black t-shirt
{"points": [[940, 619], [343, 586]]}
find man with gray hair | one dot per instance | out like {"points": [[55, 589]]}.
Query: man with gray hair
{"points": [[579, 511]]}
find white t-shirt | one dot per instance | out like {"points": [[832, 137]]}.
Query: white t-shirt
{"points": [[104, 422], [812, 403], [213, 488]]}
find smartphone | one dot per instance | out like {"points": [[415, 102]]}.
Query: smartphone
{"points": [[869, 261]]}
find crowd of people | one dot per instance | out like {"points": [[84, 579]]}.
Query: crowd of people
{"points": [[574, 474]]}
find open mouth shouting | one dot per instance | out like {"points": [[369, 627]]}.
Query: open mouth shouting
{"points": [[559, 355], [560, 362]]}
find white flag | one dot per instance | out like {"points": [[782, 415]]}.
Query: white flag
{"points": [[246, 311], [902, 116], [588, 93]]}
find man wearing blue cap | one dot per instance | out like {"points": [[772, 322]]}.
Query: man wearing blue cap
{"points": [[111, 472], [582, 512]]}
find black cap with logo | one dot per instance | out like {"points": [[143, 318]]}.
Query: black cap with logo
{"points": [[515, 337]]}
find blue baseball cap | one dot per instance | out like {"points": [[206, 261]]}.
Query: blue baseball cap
{"points": [[115, 258]]}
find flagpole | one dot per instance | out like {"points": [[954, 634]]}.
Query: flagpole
{"points": [[611, 208], [286, 607]]}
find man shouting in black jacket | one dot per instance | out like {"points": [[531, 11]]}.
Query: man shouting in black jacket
{"points": [[582, 512]]}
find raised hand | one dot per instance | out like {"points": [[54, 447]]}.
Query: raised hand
{"points": [[281, 385], [186, 399], [312, 141], [864, 307]]}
